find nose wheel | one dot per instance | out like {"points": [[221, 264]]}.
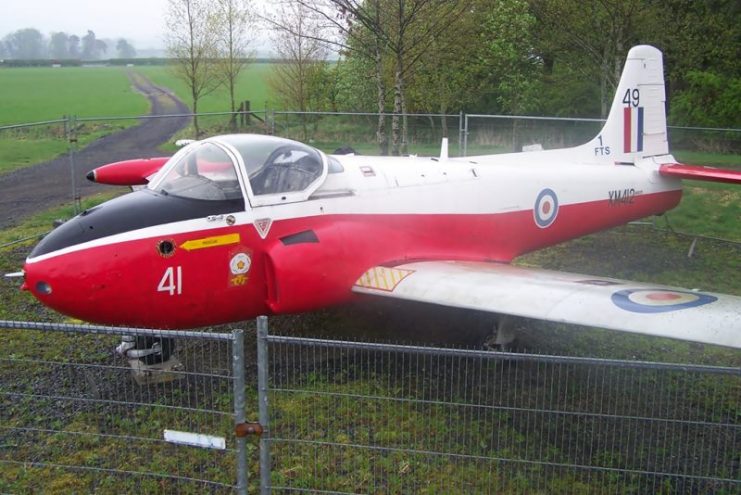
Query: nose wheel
{"points": [[151, 358]]}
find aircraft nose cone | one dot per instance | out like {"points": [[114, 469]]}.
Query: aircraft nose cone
{"points": [[38, 281], [59, 283]]}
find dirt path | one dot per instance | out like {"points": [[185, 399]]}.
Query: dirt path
{"points": [[45, 185]]}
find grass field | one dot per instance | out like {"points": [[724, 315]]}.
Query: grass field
{"points": [[42, 94], [252, 85], [39, 94], [708, 208]]}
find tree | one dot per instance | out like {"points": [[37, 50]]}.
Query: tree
{"points": [[100, 48], [125, 49], [88, 46], [362, 43], [508, 55], [399, 30], [74, 46], [92, 47], [597, 38], [234, 22], [302, 55], [59, 45], [26, 44], [191, 41], [710, 99], [451, 74], [705, 37]]}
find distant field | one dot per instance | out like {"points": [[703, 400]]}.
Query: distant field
{"points": [[38, 94], [252, 85], [41, 94]]}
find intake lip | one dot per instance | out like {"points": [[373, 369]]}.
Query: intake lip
{"points": [[137, 210]]}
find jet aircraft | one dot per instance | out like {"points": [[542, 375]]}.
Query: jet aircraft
{"points": [[236, 226]]}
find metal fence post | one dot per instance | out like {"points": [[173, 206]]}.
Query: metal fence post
{"points": [[71, 128], [465, 136], [239, 408], [460, 133], [262, 401]]}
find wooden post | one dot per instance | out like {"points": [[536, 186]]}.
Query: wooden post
{"points": [[245, 117]]}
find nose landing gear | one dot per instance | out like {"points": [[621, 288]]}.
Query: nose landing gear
{"points": [[504, 335], [151, 358]]}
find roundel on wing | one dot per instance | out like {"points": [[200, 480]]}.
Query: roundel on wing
{"points": [[659, 300], [546, 208]]}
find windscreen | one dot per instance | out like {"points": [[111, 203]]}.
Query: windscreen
{"points": [[205, 173]]}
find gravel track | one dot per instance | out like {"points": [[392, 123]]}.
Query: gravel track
{"points": [[45, 185]]}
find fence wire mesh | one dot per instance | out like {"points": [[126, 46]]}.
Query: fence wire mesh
{"points": [[369, 418], [73, 418], [487, 134]]}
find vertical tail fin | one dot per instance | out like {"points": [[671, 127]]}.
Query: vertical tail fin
{"points": [[636, 125]]}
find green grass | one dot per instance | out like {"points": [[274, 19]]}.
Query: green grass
{"points": [[39, 94], [42, 94], [25, 150], [252, 85], [708, 208], [708, 159]]}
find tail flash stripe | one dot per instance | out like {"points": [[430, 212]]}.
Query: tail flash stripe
{"points": [[639, 137], [626, 129]]}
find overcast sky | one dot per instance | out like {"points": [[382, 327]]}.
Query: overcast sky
{"points": [[139, 21]]}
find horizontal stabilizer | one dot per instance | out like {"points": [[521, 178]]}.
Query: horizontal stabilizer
{"points": [[695, 172], [602, 302]]}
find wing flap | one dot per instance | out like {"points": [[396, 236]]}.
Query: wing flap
{"points": [[564, 297]]}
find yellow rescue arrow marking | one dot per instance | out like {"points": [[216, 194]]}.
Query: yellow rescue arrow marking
{"points": [[208, 242]]}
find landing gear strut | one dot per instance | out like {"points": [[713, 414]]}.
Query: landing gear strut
{"points": [[504, 335], [151, 358]]}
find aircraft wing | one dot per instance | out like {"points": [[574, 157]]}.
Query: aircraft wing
{"points": [[649, 309]]}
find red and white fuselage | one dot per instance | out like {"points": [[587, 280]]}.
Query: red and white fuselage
{"points": [[308, 254]]}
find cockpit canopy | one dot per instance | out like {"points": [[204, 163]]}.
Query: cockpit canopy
{"points": [[277, 170], [206, 172]]}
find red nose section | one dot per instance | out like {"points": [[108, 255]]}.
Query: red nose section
{"points": [[177, 281]]}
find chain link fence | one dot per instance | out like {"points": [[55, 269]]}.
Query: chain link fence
{"points": [[74, 140], [348, 417], [352, 417], [506, 133], [75, 418]]}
